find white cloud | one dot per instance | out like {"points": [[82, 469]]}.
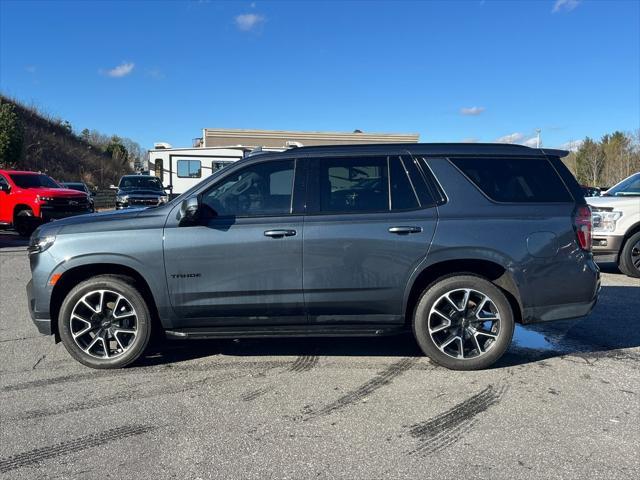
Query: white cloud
{"points": [[565, 5], [121, 70], [531, 142], [472, 110], [511, 138], [248, 21]]}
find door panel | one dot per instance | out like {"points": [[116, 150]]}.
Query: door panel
{"points": [[228, 273], [355, 270]]}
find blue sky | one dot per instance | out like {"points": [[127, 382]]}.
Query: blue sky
{"points": [[451, 71]]}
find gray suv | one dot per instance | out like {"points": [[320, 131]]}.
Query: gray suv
{"points": [[454, 242]]}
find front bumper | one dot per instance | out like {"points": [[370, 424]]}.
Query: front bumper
{"points": [[48, 215], [40, 319], [607, 244]]}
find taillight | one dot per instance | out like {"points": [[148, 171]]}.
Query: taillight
{"points": [[583, 226]]}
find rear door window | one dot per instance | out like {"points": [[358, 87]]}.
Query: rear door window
{"points": [[353, 185], [515, 180]]}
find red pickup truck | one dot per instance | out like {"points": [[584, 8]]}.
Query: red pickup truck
{"points": [[29, 198]]}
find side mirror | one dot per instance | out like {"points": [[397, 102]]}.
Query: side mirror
{"points": [[189, 210]]}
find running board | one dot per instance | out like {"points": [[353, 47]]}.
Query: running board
{"points": [[286, 331]]}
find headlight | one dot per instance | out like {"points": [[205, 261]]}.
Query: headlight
{"points": [[164, 199], [122, 198], [605, 221], [39, 244], [44, 198]]}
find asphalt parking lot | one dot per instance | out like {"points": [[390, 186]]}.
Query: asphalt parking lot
{"points": [[563, 403]]}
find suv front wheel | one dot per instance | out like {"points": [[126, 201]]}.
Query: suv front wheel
{"points": [[104, 322], [463, 322]]}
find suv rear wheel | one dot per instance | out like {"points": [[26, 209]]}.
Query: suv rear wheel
{"points": [[629, 262], [463, 322], [104, 322]]}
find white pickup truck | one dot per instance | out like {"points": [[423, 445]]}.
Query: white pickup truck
{"points": [[616, 225]]}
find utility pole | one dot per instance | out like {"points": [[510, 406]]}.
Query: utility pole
{"points": [[538, 137]]}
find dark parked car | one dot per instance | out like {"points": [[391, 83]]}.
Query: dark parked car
{"points": [[82, 187], [590, 191], [139, 191], [454, 242]]}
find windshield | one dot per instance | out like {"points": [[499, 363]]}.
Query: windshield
{"points": [[29, 180], [75, 186], [628, 187], [139, 181]]}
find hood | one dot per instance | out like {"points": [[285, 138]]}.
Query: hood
{"points": [[614, 202], [56, 192], [91, 222]]}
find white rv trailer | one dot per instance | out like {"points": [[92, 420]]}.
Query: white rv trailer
{"points": [[182, 168]]}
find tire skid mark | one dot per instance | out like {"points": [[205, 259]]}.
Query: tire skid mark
{"points": [[121, 398], [78, 377], [254, 394], [68, 447], [304, 363], [383, 378], [448, 427]]}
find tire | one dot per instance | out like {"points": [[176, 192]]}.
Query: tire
{"points": [[24, 222], [629, 260], [492, 337], [108, 342]]}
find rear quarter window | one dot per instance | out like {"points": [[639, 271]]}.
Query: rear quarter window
{"points": [[515, 180]]}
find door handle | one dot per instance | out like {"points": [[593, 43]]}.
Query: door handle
{"points": [[405, 230], [279, 233]]}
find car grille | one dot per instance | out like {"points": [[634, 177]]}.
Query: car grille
{"points": [[78, 204], [143, 201]]}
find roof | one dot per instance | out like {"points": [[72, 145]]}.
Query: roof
{"points": [[431, 149]]}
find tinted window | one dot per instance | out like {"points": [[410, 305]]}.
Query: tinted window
{"points": [[353, 185], [515, 180], [403, 196], [3, 182], [189, 169], [261, 189], [26, 180], [140, 181]]}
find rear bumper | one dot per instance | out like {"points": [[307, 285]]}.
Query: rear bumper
{"points": [[560, 312], [590, 289], [40, 319]]}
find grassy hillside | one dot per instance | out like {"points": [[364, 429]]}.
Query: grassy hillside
{"points": [[50, 145]]}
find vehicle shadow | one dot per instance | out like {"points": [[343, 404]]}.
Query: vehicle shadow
{"points": [[613, 325], [10, 240]]}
